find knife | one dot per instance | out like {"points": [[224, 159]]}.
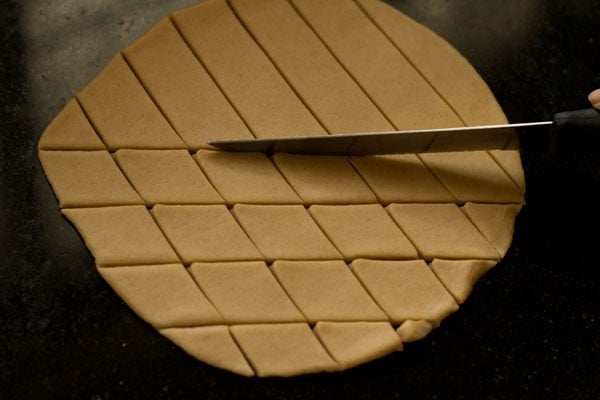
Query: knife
{"points": [[485, 137]]}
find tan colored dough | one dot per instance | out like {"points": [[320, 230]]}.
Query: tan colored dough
{"points": [[326, 291], [122, 112], [441, 231], [285, 232], [87, 179], [495, 221], [282, 349], [444, 68], [405, 289], [309, 67], [179, 83], [354, 343], [246, 178], [148, 290], [411, 331], [245, 292], [124, 235], [242, 70], [211, 344], [459, 276], [510, 162], [363, 231], [381, 70], [204, 233], [166, 176], [323, 179], [473, 176], [70, 130], [401, 178]]}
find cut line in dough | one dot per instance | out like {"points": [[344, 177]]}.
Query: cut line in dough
{"points": [[279, 244]]}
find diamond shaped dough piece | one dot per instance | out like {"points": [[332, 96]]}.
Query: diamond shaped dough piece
{"points": [[495, 221], [204, 233], [285, 232], [401, 178], [246, 178], [354, 343], [245, 292], [326, 291], [405, 289], [87, 179], [211, 344], [282, 349], [473, 176], [323, 179], [167, 177], [163, 295], [363, 231], [441, 231], [121, 235]]}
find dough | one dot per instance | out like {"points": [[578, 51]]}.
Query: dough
{"points": [[121, 112], [148, 290], [213, 344], [204, 233], [279, 265], [363, 231], [441, 230], [284, 232], [323, 179], [87, 179], [401, 178], [326, 291], [405, 290], [282, 349], [245, 292], [166, 177], [246, 178], [354, 343]]}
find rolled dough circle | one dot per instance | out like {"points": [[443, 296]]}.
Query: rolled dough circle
{"points": [[283, 265]]}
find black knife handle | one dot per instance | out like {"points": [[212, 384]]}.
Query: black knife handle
{"points": [[587, 120]]}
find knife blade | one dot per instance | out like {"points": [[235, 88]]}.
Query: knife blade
{"points": [[486, 137]]}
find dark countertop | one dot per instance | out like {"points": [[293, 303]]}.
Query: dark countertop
{"points": [[531, 328]]}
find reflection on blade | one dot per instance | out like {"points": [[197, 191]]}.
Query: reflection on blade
{"points": [[491, 137]]}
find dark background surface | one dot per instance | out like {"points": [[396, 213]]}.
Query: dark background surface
{"points": [[530, 329]]}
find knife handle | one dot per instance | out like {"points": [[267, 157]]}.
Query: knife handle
{"points": [[587, 120]]}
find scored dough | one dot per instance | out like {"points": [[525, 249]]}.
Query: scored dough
{"points": [[148, 289], [279, 264], [245, 292], [323, 179], [363, 231], [123, 114], [87, 179], [353, 343], [326, 291], [405, 289], [282, 349], [204, 233], [166, 176], [246, 178]]}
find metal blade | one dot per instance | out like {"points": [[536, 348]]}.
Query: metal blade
{"points": [[487, 137]]}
